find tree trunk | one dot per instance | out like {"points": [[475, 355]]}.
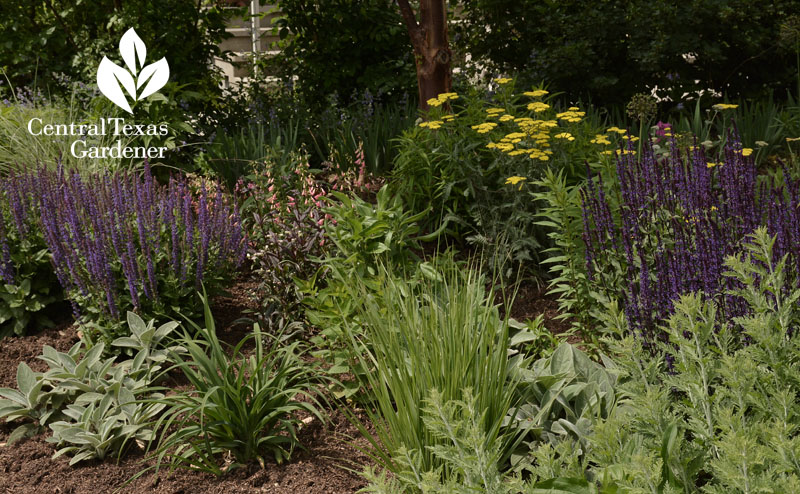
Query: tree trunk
{"points": [[431, 49]]}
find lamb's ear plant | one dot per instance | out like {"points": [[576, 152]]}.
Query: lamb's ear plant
{"points": [[87, 401], [245, 406], [145, 337], [563, 395], [27, 402]]}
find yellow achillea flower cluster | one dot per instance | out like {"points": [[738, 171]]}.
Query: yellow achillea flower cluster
{"points": [[538, 106], [448, 117], [629, 138], [501, 146], [514, 137], [506, 144], [506, 118], [724, 106], [433, 124], [601, 139], [494, 112], [572, 115], [536, 94], [515, 180], [532, 126], [564, 135], [441, 99], [538, 154], [617, 130], [711, 164], [484, 127], [503, 80], [747, 152]]}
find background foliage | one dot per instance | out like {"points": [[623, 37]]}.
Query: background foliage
{"points": [[343, 47], [41, 40], [611, 50]]}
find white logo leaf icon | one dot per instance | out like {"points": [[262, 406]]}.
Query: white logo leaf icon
{"points": [[158, 73], [109, 78], [130, 46]]}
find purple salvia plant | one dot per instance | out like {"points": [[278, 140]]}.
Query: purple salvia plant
{"points": [[118, 242], [679, 218]]}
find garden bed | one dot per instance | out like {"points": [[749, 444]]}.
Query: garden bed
{"points": [[27, 467], [327, 465]]}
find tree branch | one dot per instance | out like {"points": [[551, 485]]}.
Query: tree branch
{"points": [[408, 14], [415, 31]]}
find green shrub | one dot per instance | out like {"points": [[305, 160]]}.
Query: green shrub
{"points": [[365, 237], [343, 47], [43, 44]]}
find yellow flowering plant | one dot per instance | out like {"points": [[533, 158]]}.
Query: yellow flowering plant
{"points": [[478, 157]]}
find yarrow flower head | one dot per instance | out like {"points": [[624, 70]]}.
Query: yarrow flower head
{"points": [[433, 124], [515, 180], [503, 80], [565, 135], [441, 99], [724, 106], [538, 106], [572, 115], [538, 154], [484, 127], [536, 94]]}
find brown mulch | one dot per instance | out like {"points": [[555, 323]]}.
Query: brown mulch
{"points": [[27, 468]]}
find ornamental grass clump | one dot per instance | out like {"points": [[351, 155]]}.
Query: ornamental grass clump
{"points": [[679, 217], [122, 242], [418, 337]]}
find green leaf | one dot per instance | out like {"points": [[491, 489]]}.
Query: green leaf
{"points": [[21, 432], [26, 378], [564, 486]]}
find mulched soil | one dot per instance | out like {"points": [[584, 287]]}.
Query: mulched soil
{"points": [[325, 466]]}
